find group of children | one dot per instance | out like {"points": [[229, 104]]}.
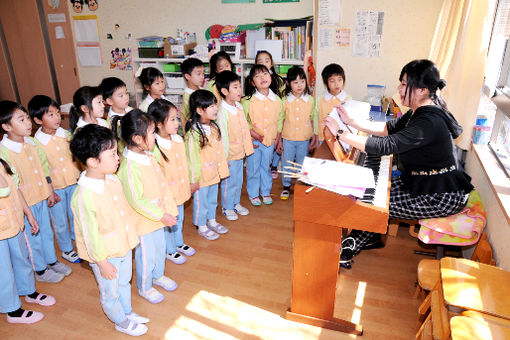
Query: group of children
{"points": [[140, 167]]}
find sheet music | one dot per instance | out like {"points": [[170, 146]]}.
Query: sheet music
{"points": [[341, 125], [338, 177]]}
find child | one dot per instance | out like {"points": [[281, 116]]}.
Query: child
{"points": [[265, 58], [88, 108], [333, 76], [207, 162], [30, 161], [64, 173], [147, 192], [171, 155], [298, 123], [153, 85], [193, 71], [262, 108], [16, 275], [105, 226], [116, 96], [236, 138], [218, 63]]}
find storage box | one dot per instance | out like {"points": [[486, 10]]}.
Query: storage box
{"points": [[284, 69], [171, 68], [150, 52], [174, 50], [176, 82]]}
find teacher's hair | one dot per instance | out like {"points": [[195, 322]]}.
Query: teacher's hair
{"points": [[424, 74]]}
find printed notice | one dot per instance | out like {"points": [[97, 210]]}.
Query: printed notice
{"points": [[329, 12], [325, 38], [342, 36], [368, 34]]}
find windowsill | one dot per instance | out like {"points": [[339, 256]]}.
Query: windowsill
{"points": [[496, 176]]}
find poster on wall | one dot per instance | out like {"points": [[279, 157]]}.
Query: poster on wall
{"points": [[236, 1], [276, 1], [329, 12], [368, 34]]}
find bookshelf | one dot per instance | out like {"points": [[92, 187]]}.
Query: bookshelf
{"points": [[174, 93]]}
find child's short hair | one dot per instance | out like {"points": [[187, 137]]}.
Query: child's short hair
{"points": [[90, 141], [83, 96], [292, 74], [189, 64], [224, 79], [109, 85], [149, 76], [214, 61], [7, 109], [331, 70], [134, 123], [39, 105]]}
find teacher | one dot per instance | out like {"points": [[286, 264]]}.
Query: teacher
{"points": [[431, 183]]}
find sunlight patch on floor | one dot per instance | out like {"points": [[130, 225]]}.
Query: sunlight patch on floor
{"points": [[358, 303], [211, 316]]}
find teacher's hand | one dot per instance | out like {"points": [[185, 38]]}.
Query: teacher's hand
{"points": [[332, 125], [344, 116]]}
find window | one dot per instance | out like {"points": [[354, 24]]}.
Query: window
{"points": [[498, 77]]}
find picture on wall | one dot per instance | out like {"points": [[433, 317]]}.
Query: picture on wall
{"points": [[237, 1], [276, 1]]}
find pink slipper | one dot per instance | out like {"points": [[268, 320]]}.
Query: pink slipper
{"points": [[47, 301], [25, 318]]}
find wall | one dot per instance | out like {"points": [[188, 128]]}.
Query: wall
{"points": [[162, 17], [407, 34], [497, 225]]}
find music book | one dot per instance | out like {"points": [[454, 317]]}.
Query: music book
{"points": [[338, 177]]}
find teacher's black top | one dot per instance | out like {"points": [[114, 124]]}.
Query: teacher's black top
{"points": [[424, 143]]}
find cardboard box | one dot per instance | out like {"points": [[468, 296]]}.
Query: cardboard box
{"points": [[175, 51]]}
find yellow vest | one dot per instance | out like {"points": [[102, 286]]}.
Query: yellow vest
{"points": [[11, 210], [176, 168], [264, 112], [63, 171], [298, 123], [26, 161], [104, 221]]}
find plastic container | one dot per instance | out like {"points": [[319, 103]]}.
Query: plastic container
{"points": [[374, 97], [171, 68], [481, 134]]}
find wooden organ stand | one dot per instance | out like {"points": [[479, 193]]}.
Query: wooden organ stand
{"points": [[319, 217]]}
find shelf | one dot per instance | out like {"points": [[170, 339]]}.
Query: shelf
{"points": [[167, 91], [206, 61]]}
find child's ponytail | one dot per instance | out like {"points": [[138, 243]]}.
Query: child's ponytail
{"points": [[82, 97], [158, 111], [116, 126], [6, 167], [74, 116]]}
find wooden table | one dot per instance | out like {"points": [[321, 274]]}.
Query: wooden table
{"points": [[476, 286], [474, 325]]}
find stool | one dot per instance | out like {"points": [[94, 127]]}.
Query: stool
{"points": [[395, 222]]}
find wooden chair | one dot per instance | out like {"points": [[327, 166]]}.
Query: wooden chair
{"points": [[437, 324], [429, 272]]}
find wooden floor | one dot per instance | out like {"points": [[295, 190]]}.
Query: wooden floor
{"points": [[238, 287]]}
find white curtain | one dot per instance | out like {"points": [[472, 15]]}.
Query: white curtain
{"points": [[459, 48]]}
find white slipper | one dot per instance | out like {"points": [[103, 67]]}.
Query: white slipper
{"points": [[26, 318], [47, 301]]}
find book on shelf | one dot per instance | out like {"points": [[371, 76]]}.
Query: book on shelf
{"points": [[296, 36]]}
